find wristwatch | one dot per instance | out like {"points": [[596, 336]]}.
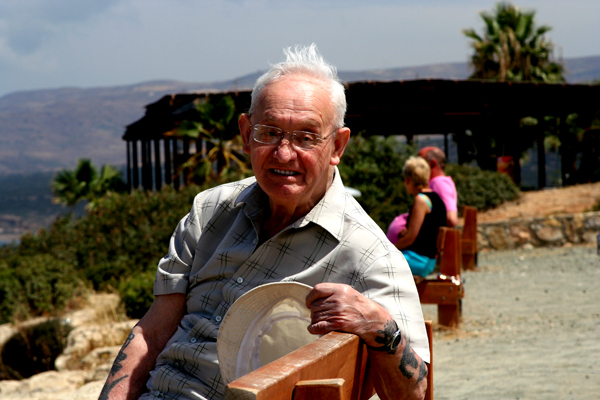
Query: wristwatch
{"points": [[392, 344]]}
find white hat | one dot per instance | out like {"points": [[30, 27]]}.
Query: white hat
{"points": [[263, 325]]}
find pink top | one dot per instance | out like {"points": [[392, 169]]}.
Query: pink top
{"points": [[444, 187]]}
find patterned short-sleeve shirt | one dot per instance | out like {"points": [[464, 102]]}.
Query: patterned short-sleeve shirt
{"points": [[214, 257]]}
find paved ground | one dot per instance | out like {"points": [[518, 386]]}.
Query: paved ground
{"points": [[531, 328]]}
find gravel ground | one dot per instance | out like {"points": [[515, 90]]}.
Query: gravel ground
{"points": [[530, 329]]}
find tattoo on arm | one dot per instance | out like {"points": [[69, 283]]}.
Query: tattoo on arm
{"points": [[388, 331], [121, 356], [409, 359], [423, 371], [108, 387], [117, 366]]}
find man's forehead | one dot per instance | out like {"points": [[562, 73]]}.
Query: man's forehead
{"points": [[308, 119], [295, 99]]}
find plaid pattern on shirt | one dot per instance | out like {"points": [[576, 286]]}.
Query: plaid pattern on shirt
{"points": [[214, 258]]}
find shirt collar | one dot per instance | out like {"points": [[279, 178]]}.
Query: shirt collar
{"points": [[327, 213]]}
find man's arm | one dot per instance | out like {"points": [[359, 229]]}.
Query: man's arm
{"points": [[129, 373], [451, 218], [337, 307]]}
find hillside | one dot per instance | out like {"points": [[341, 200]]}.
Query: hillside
{"points": [[45, 130]]}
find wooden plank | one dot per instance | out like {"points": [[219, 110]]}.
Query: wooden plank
{"points": [[469, 238], [439, 292], [451, 253], [335, 355], [429, 392]]}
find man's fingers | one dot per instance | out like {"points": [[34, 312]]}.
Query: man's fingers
{"points": [[320, 291], [319, 328]]}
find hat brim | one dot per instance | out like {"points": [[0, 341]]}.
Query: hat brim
{"points": [[249, 318]]}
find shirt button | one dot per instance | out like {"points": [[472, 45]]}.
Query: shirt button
{"points": [[255, 241], [218, 318], [193, 340], [240, 280]]}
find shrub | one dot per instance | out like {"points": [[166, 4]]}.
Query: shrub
{"points": [[126, 232], [35, 285], [481, 189], [136, 292], [373, 165]]}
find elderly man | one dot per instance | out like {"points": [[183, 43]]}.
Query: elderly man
{"points": [[292, 222]]}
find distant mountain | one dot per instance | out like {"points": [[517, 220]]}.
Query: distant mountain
{"points": [[46, 130]]}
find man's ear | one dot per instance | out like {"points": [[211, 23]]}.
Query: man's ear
{"points": [[340, 141], [245, 131]]}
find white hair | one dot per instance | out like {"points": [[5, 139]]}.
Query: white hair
{"points": [[305, 60]]}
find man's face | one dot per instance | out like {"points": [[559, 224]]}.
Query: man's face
{"points": [[290, 176]]}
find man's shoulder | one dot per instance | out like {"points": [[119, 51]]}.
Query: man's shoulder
{"points": [[443, 179], [443, 182], [228, 192], [357, 220]]}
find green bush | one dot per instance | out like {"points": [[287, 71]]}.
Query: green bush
{"points": [[373, 165], [35, 285], [481, 189], [136, 292], [117, 245], [114, 242], [125, 232]]}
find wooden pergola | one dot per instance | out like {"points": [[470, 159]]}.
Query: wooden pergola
{"points": [[406, 108]]}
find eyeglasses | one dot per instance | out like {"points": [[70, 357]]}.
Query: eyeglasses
{"points": [[300, 139]]}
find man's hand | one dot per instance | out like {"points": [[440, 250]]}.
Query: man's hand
{"points": [[337, 307]]}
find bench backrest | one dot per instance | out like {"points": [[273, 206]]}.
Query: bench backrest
{"points": [[332, 367]]}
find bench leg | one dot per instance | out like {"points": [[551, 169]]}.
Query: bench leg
{"points": [[449, 315]]}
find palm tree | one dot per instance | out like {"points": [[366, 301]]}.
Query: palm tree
{"points": [[85, 183], [218, 158], [512, 48]]}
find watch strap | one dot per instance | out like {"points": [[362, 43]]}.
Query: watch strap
{"points": [[392, 345]]}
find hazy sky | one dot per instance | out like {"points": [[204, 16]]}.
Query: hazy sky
{"points": [[87, 43]]}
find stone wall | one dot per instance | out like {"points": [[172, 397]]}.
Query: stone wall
{"points": [[555, 230]]}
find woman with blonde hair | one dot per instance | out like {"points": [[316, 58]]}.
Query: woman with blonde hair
{"points": [[418, 240]]}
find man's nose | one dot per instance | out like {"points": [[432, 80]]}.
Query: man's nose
{"points": [[285, 151]]}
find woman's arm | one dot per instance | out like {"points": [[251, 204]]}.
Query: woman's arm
{"points": [[417, 216]]}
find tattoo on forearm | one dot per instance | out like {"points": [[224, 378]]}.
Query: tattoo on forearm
{"points": [[409, 359], [388, 331], [117, 366], [108, 387], [423, 371], [121, 356]]}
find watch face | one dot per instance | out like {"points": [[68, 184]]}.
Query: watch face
{"points": [[396, 341]]}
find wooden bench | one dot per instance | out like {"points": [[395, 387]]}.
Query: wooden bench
{"points": [[333, 367], [469, 238], [447, 290]]}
